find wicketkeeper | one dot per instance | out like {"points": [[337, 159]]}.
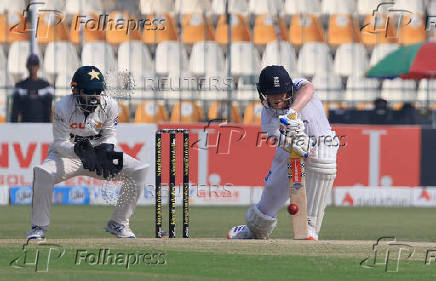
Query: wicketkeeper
{"points": [[84, 143], [281, 96]]}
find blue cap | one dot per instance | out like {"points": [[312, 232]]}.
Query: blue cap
{"points": [[274, 79], [32, 60]]}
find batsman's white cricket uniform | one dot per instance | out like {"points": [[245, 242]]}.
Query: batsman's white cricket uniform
{"points": [[320, 165], [62, 163]]}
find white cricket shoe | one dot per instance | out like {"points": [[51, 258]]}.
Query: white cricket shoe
{"points": [[121, 231], [311, 233], [36, 233], [240, 232]]}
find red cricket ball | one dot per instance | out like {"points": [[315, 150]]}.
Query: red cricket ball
{"points": [[292, 209]]}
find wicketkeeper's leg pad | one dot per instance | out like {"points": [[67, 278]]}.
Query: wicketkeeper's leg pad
{"points": [[320, 175], [259, 224]]}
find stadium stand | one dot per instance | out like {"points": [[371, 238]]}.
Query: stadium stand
{"points": [[280, 53], [265, 29], [13, 27], [170, 57], [343, 29], [162, 29], [84, 27], [99, 54], [304, 29], [314, 58], [156, 6], [351, 59], [296, 7], [151, 112], [79, 6], [240, 29], [134, 57], [235, 7]]}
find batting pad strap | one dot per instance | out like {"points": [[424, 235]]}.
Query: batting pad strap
{"points": [[259, 224], [322, 166]]}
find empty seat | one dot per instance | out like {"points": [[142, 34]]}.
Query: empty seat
{"points": [[381, 51], [343, 29], [82, 6], [260, 7], [305, 28], [235, 7], [328, 87], [13, 6], [398, 90], [60, 57], [214, 86], [178, 86], [156, 6], [13, 28], [367, 7], [280, 54], [206, 58], [63, 83], [117, 33], [53, 5], [378, 30], [253, 113], [360, 89], [245, 59], [196, 29], [86, 24], [431, 7], [99, 54], [331, 7], [192, 6], [170, 57], [134, 57], [426, 88], [247, 90], [266, 28], [351, 59], [124, 115], [314, 58], [240, 29], [186, 112], [295, 7], [51, 27], [151, 112], [413, 6], [18, 53], [162, 28], [412, 30], [142, 85], [219, 110]]}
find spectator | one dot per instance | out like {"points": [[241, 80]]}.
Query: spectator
{"points": [[407, 114], [32, 98], [381, 113]]}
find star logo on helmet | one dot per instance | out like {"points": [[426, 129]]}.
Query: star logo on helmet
{"points": [[94, 75]]}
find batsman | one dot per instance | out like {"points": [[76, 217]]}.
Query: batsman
{"points": [[311, 138], [84, 143]]}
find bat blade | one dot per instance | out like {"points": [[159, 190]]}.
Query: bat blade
{"points": [[297, 194]]}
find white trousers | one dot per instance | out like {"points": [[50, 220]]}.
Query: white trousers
{"points": [[276, 191], [57, 168]]}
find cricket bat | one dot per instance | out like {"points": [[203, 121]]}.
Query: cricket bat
{"points": [[297, 192], [297, 195]]}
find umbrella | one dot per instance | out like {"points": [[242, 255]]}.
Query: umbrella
{"points": [[417, 61]]}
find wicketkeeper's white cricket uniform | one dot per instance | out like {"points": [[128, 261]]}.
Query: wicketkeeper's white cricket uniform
{"points": [[320, 165], [62, 163]]}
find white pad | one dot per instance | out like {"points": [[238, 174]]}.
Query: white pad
{"points": [[320, 175], [260, 225]]}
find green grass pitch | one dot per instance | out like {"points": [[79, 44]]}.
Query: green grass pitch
{"points": [[347, 238]]}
